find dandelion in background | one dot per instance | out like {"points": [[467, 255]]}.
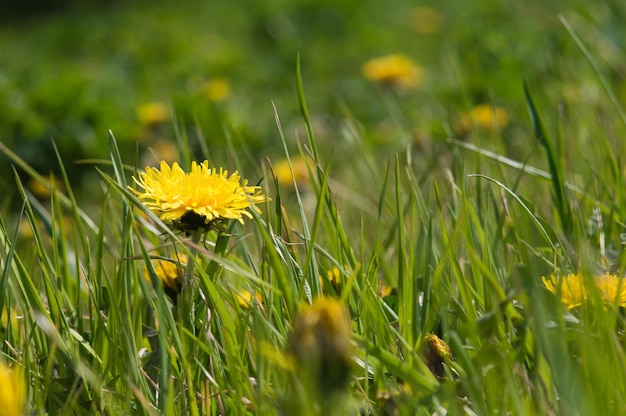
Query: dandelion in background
{"points": [[170, 273], [321, 349], [435, 353], [216, 89], [425, 20], [150, 114], [12, 391], [299, 167], [574, 292], [483, 116], [201, 200], [245, 298], [396, 70], [334, 278]]}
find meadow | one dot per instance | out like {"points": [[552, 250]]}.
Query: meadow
{"points": [[305, 208]]}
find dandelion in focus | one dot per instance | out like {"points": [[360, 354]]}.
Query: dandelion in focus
{"points": [[12, 391], [201, 200], [396, 70], [574, 292], [483, 117]]}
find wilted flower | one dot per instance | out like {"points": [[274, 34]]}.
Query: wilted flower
{"points": [[12, 391], [153, 113], [170, 273], [216, 89], [484, 117], [574, 292], [396, 70], [435, 353], [202, 199], [321, 346]]}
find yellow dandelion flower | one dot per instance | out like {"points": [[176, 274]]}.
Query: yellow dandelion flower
{"points": [[334, 278], [299, 167], [574, 293], [150, 114], [612, 289], [425, 20], [385, 290], [217, 89], [170, 273], [436, 351], [198, 200], [321, 346], [12, 391], [484, 117], [10, 319], [43, 190], [244, 298], [396, 70], [165, 150]]}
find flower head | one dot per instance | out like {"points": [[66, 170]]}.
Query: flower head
{"points": [[320, 343], [334, 278], [245, 298], [425, 20], [435, 353], [396, 69], [217, 89], [201, 199], [299, 169], [150, 114], [574, 292], [484, 117], [12, 392], [170, 273]]}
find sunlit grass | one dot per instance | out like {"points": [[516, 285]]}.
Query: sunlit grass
{"points": [[371, 280]]}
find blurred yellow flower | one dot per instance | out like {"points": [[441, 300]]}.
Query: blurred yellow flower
{"points": [[9, 319], [150, 114], [435, 353], [484, 117], [334, 278], [425, 20], [165, 150], [216, 89], [42, 191], [396, 70], [12, 391], [385, 290], [244, 298], [612, 289], [199, 200], [170, 273], [321, 346], [283, 172]]}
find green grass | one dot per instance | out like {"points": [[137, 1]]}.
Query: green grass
{"points": [[461, 226]]}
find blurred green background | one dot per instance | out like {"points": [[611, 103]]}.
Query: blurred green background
{"points": [[71, 71]]}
